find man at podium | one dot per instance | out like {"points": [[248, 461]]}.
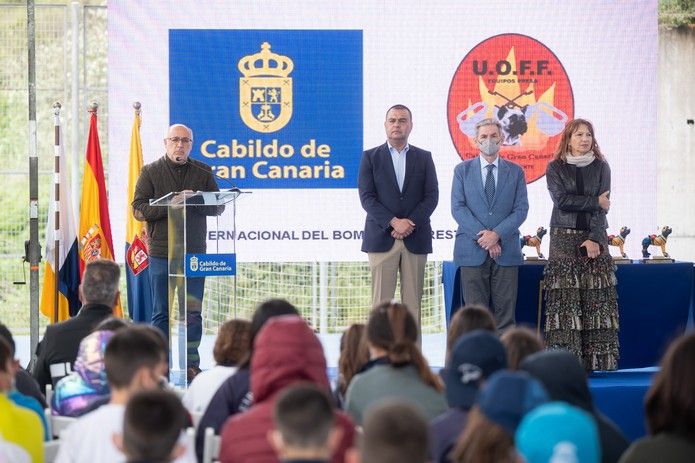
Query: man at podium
{"points": [[175, 172]]}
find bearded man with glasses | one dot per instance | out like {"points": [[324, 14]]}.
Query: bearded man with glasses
{"points": [[175, 172]]}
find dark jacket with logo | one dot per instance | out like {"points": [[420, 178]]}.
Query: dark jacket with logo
{"points": [[568, 203], [62, 340], [161, 178]]}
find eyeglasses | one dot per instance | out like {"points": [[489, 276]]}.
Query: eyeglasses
{"points": [[182, 140]]}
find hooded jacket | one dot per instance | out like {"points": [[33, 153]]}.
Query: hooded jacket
{"points": [[87, 384], [286, 352], [565, 380]]}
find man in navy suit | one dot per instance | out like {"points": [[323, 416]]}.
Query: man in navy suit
{"points": [[398, 189], [489, 203]]}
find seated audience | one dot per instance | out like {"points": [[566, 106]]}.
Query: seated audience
{"points": [[565, 379], [231, 347], [394, 432], [353, 356], [152, 425], [520, 342], [558, 432], [14, 394], [234, 396], [56, 352], [475, 357], [286, 352], [305, 428], [503, 401], [670, 409], [466, 319], [87, 385], [24, 382], [20, 428], [397, 369], [133, 362]]}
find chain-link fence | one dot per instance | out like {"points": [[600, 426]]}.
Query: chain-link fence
{"points": [[330, 295]]}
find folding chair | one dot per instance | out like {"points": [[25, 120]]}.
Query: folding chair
{"points": [[211, 450]]}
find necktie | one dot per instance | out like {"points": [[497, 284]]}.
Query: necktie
{"points": [[490, 184]]}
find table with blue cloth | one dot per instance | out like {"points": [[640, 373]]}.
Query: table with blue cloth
{"points": [[654, 302]]}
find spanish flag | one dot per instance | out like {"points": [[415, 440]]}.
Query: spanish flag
{"points": [[68, 273], [95, 227], [136, 255]]}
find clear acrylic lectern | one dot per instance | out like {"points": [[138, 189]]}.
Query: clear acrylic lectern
{"points": [[201, 236]]}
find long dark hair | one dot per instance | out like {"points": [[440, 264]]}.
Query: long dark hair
{"points": [[670, 402], [564, 146], [353, 355], [392, 328]]}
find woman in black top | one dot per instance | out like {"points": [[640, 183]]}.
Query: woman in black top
{"points": [[581, 298]]}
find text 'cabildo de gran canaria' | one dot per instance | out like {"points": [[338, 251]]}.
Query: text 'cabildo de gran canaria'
{"points": [[260, 160]]}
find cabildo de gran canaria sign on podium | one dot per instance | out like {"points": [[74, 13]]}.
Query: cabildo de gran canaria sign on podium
{"points": [[271, 108], [200, 265]]}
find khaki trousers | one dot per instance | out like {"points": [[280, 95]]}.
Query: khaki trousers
{"points": [[385, 267]]}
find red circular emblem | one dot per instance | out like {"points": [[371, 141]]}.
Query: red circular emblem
{"points": [[519, 82]]}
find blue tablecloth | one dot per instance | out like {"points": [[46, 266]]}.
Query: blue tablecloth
{"points": [[655, 302], [620, 396]]}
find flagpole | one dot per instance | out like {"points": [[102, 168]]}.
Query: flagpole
{"points": [[56, 199], [34, 251]]}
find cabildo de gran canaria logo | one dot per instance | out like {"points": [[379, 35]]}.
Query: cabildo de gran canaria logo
{"points": [[194, 264], [271, 108], [265, 90], [519, 82]]}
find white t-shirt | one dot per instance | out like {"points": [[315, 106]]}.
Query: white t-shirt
{"points": [[90, 438], [204, 386]]}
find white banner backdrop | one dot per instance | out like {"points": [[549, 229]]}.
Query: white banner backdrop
{"points": [[337, 66]]}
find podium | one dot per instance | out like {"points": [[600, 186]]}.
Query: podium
{"points": [[194, 220]]}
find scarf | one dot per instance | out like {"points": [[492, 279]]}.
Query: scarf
{"points": [[580, 161]]}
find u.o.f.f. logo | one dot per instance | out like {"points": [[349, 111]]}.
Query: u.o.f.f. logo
{"points": [[520, 83], [265, 90]]}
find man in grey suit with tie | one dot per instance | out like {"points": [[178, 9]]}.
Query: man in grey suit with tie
{"points": [[489, 203], [398, 189]]}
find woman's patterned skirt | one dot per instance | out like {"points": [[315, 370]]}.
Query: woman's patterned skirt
{"points": [[581, 301]]}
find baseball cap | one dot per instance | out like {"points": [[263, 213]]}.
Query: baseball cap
{"points": [[509, 395], [559, 433], [474, 357]]}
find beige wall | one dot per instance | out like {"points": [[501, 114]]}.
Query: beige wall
{"points": [[676, 139]]}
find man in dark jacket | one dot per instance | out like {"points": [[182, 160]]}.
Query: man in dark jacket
{"points": [[175, 172], [398, 189], [57, 351], [564, 378]]}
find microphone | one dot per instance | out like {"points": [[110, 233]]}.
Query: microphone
{"points": [[233, 188]]}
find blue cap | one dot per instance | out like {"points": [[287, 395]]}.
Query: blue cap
{"points": [[474, 357], [560, 433], [508, 396]]}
